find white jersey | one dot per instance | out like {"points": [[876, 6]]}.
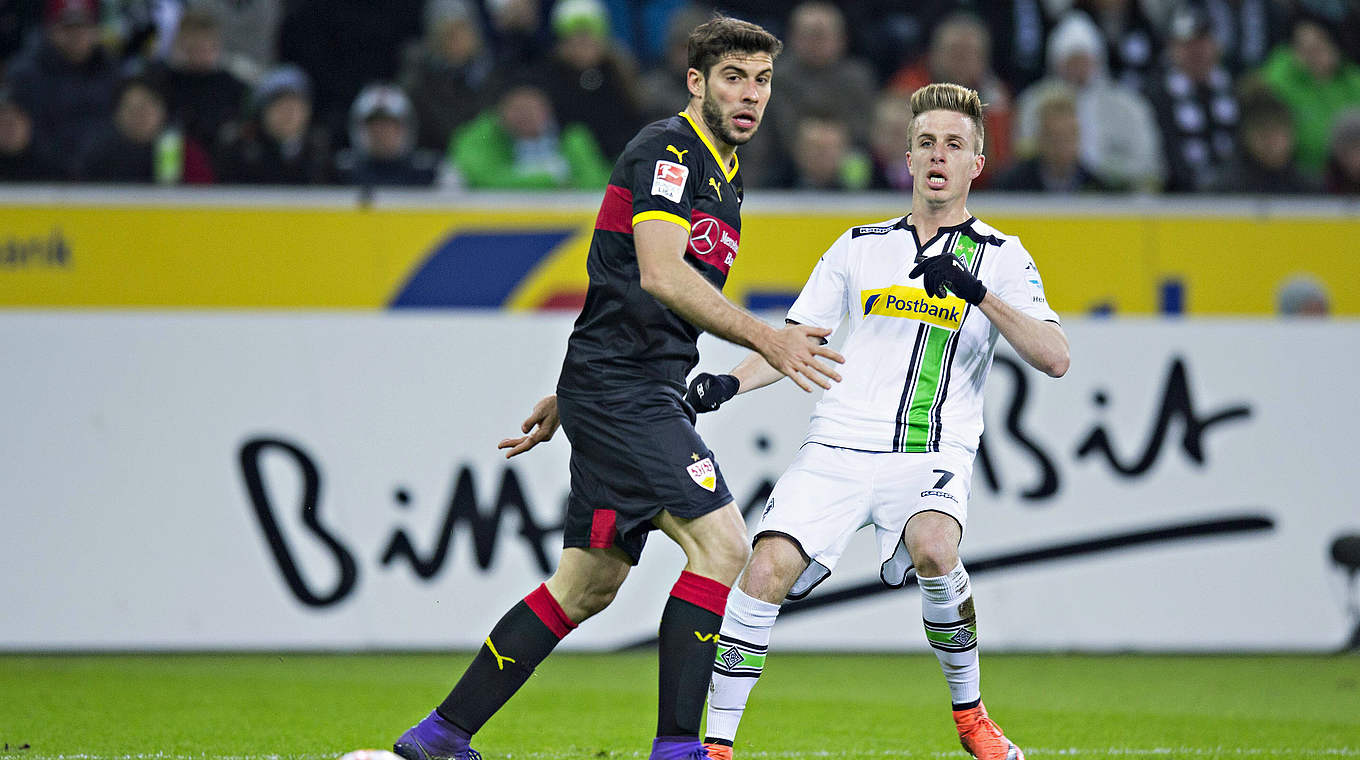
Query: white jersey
{"points": [[914, 366]]}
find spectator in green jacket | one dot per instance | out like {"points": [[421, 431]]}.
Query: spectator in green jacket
{"points": [[518, 145], [1315, 79]]}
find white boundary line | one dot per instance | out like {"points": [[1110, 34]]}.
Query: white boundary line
{"points": [[1169, 752]]}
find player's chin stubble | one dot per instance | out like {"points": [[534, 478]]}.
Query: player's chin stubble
{"points": [[713, 117]]}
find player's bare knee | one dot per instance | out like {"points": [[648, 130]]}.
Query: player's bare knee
{"points": [[584, 590], [933, 558], [775, 566], [932, 540], [595, 600], [766, 580], [721, 557], [584, 599]]}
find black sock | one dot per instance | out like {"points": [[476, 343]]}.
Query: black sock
{"points": [[689, 641], [519, 642]]}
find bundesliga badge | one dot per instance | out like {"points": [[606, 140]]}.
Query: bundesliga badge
{"points": [[668, 181], [702, 473]]}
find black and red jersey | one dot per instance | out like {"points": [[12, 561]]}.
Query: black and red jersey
{"points": [[624, 337]]}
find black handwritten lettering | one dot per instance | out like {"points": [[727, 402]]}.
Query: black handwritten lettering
{"points": [[485, 528], [250, 456], [1048, 472], [1176, 403], [1048, 480], [986, 467]]}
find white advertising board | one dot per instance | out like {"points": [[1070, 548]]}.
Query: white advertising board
{"points": [[321, 481]]}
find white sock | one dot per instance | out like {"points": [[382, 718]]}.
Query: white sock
{"points": [[951, 628], [742, 644]]}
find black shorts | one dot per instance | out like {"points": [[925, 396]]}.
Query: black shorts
{"points": [[631, 458]]}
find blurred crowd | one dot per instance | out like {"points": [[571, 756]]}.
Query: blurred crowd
{"points": [[1177, 96]]}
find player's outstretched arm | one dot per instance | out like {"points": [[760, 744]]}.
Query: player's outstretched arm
{"points": [[1042, 344], [665, 275], [708, 392], [537, 428]]}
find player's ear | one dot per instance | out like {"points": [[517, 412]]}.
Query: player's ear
{"points": [[694, 80], [910, 173], [978, 161]]}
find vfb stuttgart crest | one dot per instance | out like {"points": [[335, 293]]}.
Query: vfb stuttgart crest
{"points": [[703, 473]]}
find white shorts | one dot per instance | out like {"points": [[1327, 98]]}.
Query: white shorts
{"points": [[829, 493]]}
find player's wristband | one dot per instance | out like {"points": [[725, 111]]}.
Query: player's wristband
{"points": [[971, 290], [708, 392]]}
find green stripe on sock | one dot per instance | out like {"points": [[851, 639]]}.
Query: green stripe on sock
{"points": [[947, 636], [748, 659]]}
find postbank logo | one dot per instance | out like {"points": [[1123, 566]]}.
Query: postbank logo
{"points": [[703, 473], [912, 303]]}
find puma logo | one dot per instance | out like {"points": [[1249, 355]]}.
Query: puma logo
{"points": [[679, 154], [500, 661], [713, 183]]}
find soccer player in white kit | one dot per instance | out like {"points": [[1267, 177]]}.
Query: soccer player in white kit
{"points": [[892, 445]]}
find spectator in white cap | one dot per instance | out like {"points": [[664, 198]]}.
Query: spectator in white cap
{"points": [[382, 134], [1120, 142]]}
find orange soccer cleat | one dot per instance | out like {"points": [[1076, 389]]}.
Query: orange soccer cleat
{"points": [[718, 751], [981, 736]]}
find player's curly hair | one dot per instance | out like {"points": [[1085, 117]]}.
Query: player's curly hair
{"points": [[723, 35], [943, 96]]}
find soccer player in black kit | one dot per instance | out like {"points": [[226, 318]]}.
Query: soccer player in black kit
{"points": [[665, 237]]}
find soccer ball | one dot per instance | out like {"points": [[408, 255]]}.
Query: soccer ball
{"points": [[370, 754]]}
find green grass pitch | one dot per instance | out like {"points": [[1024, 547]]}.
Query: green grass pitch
{"points": [[315, 707]]}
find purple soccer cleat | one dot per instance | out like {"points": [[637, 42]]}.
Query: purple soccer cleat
{"points": [[678, 748], [435, 739]]}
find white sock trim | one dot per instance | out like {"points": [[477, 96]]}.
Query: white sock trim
{"points": [[943, 589], [748, 611]]}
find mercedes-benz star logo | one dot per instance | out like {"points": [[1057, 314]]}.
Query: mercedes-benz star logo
{"points": [[704, 236]]}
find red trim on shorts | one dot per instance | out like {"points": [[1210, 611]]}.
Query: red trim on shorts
{"points": [[701, 592], [616, 210], [541, 601], [602, 528]]}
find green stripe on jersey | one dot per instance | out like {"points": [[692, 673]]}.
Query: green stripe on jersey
{"points": [[917, 439], [927, 386]]}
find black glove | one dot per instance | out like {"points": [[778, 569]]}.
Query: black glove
{"points": [[708, 392], [945, 270]]}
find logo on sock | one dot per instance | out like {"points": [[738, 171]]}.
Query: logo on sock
{"points": [[500, 661], [706, 636], [731, 657]]}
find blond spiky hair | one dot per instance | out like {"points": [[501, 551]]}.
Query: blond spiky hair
{"points": [[943, 96]]}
